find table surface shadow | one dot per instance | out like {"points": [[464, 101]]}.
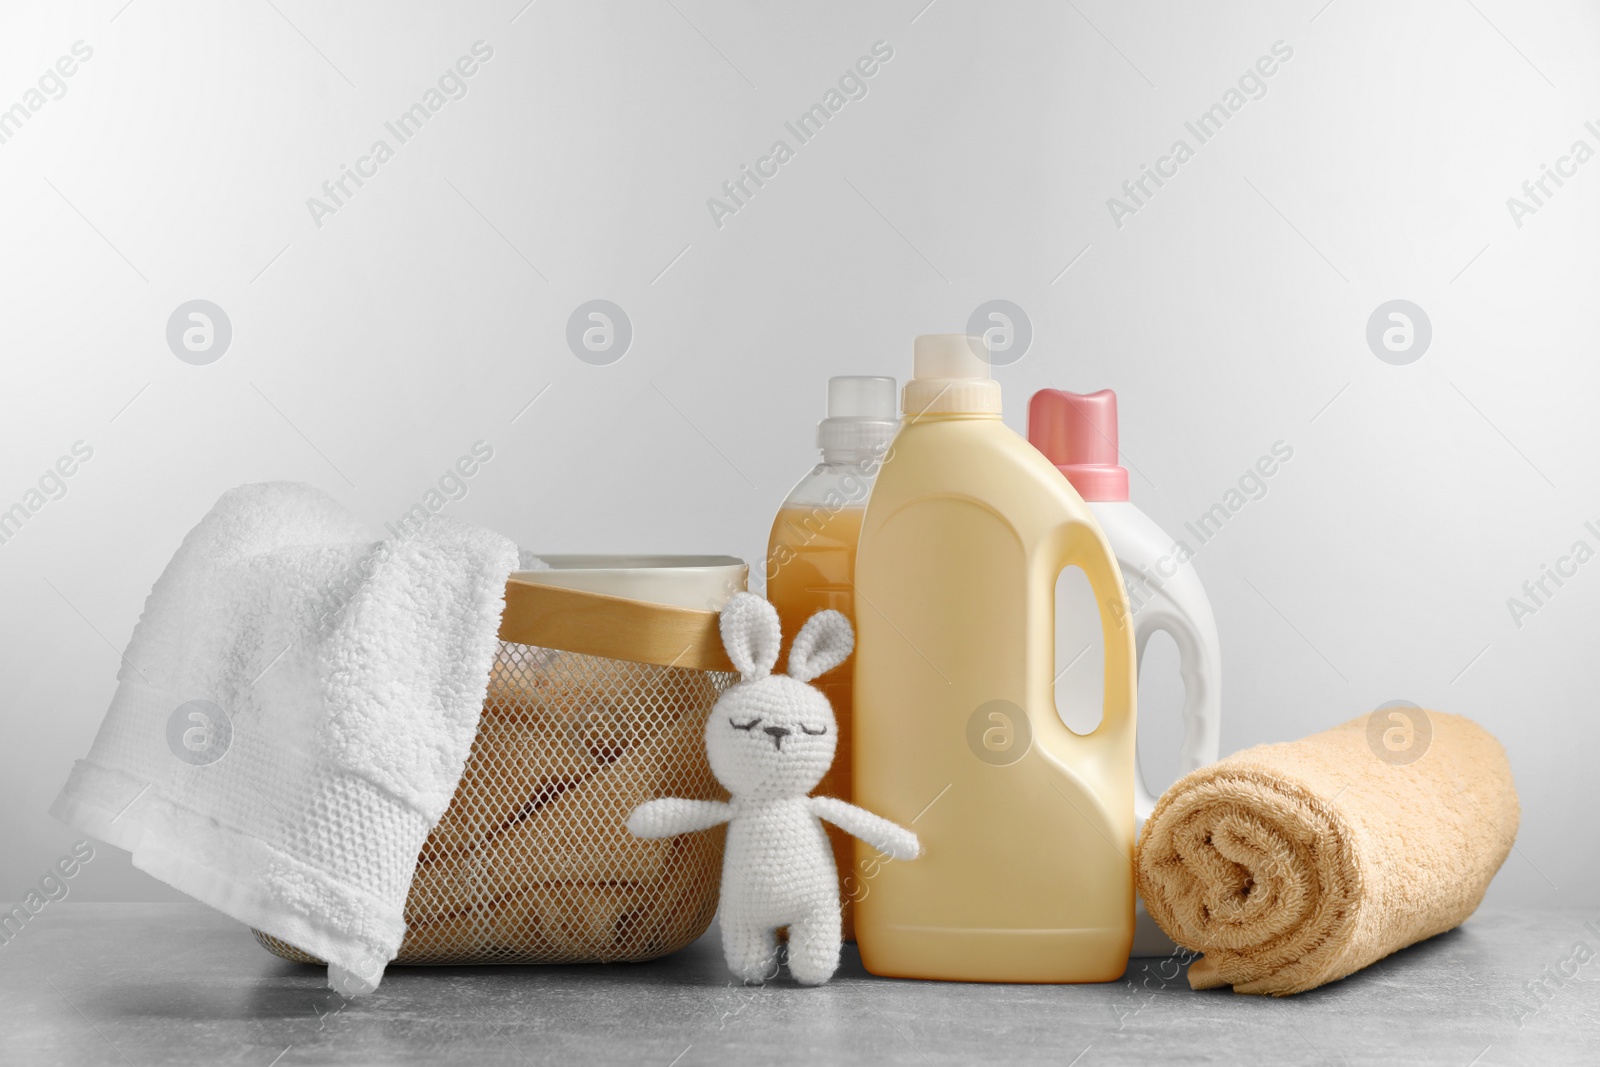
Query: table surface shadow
{"points": [[178, 984]]}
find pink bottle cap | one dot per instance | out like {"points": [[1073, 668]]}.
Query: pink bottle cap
{"points": [[1078, 433]]}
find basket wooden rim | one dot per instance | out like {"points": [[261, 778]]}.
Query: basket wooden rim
{"points": [[596, 624]]}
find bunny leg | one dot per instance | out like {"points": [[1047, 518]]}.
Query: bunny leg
{"points": [[751, 950], [814, 946]]}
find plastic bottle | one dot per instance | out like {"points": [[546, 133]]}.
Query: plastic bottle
{"points": [[811, 558], [1027, 827], [1078, 433]]}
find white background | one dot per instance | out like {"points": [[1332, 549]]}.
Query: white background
{"points": [[1229, 313]]}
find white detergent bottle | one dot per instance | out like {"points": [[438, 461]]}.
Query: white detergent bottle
{"points": [[1078, 433]]}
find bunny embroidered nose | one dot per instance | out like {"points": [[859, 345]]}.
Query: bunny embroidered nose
{"points": [[777, 733]]}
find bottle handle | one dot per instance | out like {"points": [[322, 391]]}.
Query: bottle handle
{"points": [[1202, 706], [1086, 548]]}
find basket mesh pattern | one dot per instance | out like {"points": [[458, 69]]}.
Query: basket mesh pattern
{"points": [[531, 862]]}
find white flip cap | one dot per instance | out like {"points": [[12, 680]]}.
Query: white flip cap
{"points": [[952, 376], [861, 414], [858, 396], [950, 355]]}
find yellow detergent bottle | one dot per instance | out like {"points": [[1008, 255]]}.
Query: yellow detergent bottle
{"points": [[1027, 873]]}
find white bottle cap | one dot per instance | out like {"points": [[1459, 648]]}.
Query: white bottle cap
{"points": [[952, 376], [861, 414]]}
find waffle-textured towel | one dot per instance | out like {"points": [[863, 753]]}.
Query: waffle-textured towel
{"points": [[292, 717], [1295, 864]]}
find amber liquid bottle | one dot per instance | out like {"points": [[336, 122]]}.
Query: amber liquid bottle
{"points": [[811, 559]]}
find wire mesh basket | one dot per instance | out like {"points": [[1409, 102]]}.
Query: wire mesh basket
{"points": [[595, 705]]}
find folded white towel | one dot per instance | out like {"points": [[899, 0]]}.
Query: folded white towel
{"points": [[292, 717]]}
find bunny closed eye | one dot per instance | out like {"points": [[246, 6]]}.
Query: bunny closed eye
{"points": [[818, 732]]}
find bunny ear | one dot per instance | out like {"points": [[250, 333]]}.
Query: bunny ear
{"points": [[821, 645], [751, 634]]}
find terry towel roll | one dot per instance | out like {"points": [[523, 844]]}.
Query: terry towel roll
{"points": [[1295, 864]]}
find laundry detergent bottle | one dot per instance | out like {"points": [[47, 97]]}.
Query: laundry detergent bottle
{"points": [[1027, 828], [811, 559], [1078, 433]]}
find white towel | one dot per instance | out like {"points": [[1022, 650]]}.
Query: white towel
{"points": [[339, 683]]}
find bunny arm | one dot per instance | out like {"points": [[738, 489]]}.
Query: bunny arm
{"points": [[671, 816], [883, 835]]}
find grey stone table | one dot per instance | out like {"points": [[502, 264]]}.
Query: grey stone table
{"points": [[176, 983]]}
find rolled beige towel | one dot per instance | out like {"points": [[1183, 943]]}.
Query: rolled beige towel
{"points": [[1295, 864]]}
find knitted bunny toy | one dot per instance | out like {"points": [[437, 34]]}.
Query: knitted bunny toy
{"points": [[770, 738]]}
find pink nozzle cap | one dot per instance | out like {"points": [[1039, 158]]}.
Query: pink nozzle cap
{"points": [[1078, 433]]}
